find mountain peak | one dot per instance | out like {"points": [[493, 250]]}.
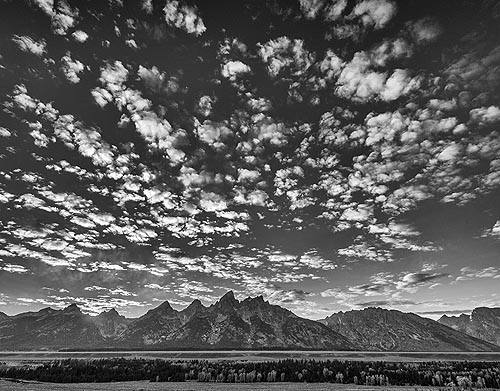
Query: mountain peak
{"points": [[195, 304], [228, 300], [72, 308], [163, 308], [483, 323], [229, 295], [111, 313], [258, 298], [377, 328]]}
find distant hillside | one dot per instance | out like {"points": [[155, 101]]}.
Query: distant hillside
{"points": [[49, 328], [390, 330], [483, 323]]}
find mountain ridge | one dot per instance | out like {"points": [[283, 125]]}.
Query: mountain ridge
{"points": [[227, 324], [376, 328], [252, 323], [483, 323]]}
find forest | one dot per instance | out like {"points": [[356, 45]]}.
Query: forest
{"points": [[460, 374]]}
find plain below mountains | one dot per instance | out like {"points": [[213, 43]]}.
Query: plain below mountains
{"points": [[252, 323]]}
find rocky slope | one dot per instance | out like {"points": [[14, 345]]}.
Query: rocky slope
{"points": [[483, 323], [390, 330], [111, 324]]}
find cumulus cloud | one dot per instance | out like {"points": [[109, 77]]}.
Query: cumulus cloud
{"points": [[232, 69], [346, 139], [184, 17], [358, 81], [63, 18], [311, 8], [29, 45], [375, 12], [80, 36], [425, 30], [283, 54], [72, 68]]}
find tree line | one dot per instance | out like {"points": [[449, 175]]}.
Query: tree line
{"points": [[461, 374]]}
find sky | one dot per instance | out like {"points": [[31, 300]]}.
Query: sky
{"points": [[329, 155]]}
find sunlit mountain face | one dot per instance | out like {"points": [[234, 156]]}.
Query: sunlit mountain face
{"points": [[326, 154]]}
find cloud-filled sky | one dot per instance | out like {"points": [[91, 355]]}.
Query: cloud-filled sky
{"points": [[327, 154]]}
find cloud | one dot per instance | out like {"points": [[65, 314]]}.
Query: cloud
{"points": [[12, 268], [425, 30], [493, 231], [359, 82], [311, 8], [386, 303], [80, 36], [72, 68], [63, 18], [348, 131], [233, 69], [470, 273], [377, 13], [444, 312], [29, 45], [46, 5], [283, 54], [412, 280], [183, 17], [334, 10]]}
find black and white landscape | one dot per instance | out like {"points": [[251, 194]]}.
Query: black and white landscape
{"points": [[204, 175], [249, 324]]}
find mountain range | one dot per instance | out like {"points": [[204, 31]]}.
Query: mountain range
{"points": [[483, 323], [252, 323], [391, 330]]}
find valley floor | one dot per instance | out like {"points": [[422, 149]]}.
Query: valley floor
{"points": [[194, 386], [39, 357]]}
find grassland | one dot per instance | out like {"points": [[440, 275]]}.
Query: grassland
{"points": [[193, 386], [39, 357]]}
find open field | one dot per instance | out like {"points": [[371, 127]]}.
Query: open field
{"points": [[193, 386], [38, 357]]}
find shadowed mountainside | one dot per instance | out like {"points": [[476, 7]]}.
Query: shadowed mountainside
{"points": [[391, 330], [252, 323], [227, 324], [483, 323]]}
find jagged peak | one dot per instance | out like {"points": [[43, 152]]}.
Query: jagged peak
{"points": [[229, 296], [257, 299], [196, 303], [228, 300], [165, 306]]}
